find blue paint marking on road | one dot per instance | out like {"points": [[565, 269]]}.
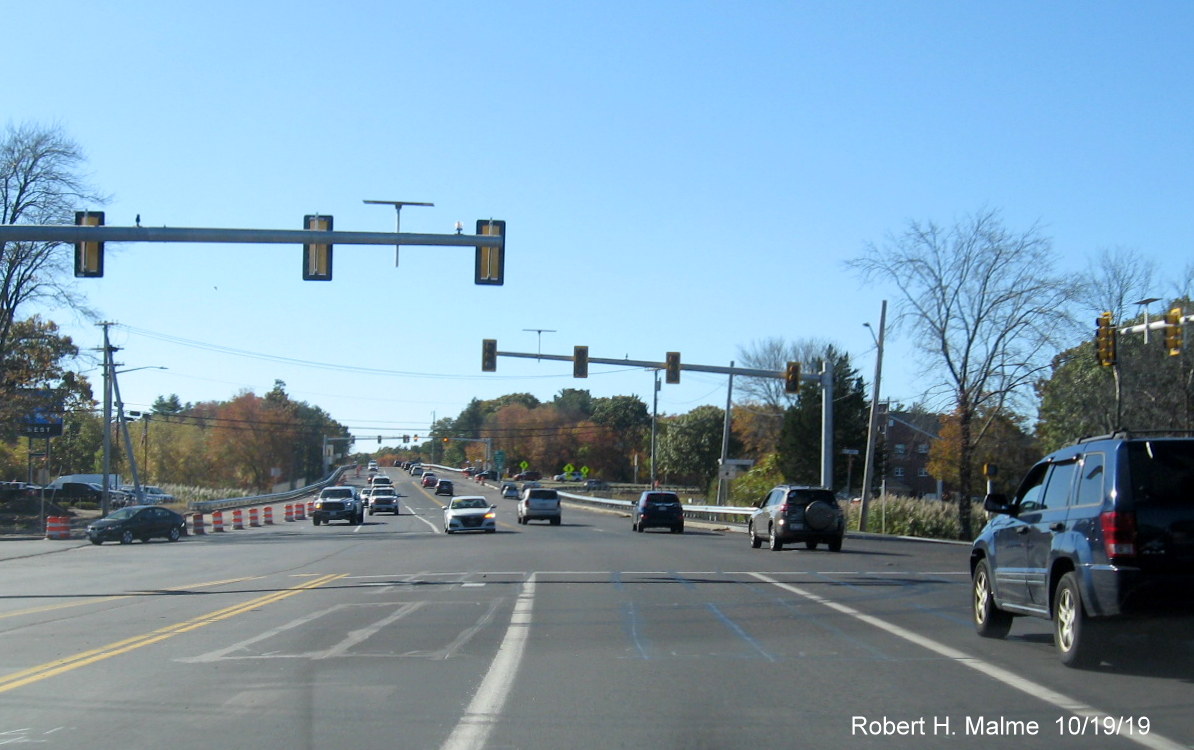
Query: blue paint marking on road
{"points": [[737, 629], [686, 583], [631, 622]]}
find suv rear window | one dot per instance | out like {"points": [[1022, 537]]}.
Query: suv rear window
{"points": [[1162, 472], [661, 499], [542, 494], [804, 497]]}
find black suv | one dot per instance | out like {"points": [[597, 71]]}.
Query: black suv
{"points": [[797, 514], [1097, 532], [658, 509]]}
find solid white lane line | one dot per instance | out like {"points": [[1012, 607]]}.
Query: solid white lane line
{"points": [[1007, 677], [486, 705]]}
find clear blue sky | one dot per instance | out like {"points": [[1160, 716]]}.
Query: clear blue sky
{"points": [[684, 176]]}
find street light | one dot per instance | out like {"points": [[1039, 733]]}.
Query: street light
{"points": [[1145, 303], [397, 218], [540, 331]]}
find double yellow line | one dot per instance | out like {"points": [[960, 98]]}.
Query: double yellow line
{"points": [[60, 666]]}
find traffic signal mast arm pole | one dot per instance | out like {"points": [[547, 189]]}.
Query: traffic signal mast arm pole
{"points": [[1155, 325], [65, 233], [742, 371]]}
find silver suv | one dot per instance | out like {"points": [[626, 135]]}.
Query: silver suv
{"points": [[539, 503], [791, 514]]}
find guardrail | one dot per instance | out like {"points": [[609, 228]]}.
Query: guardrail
{"points": [[207, 506]]}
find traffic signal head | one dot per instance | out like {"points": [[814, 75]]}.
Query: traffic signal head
{"points": [[673, 367], [491, 259], [580, 362], [1173, 331], [1105, 340], [89, 256], [445, 441], [488, 355], [317, 258], [792, 378]]}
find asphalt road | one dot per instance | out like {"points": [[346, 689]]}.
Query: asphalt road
{"points": [[392, 634]]}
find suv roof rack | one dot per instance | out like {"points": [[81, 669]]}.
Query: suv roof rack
{"points": [[1129, 434]]}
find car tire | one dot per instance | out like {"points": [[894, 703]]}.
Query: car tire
{"points": [[810, 544], [556, 521], [96, 541], [1076, 637], [835, 545], [774, 542], [174, 534], [755, 542], [315, 520], [989, 620], [678, 529]]}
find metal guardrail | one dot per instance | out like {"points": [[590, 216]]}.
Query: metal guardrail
{"points": [[207, 506]]}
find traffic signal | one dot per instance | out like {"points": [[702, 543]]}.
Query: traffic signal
{"points": [[406, 439], [89, 256], [491, 260], [317, 258], [792, 378], [1173, 331], [379, 439], [1105, 340], [445, 441], [673, 367], [580, 362], [488, 355]]}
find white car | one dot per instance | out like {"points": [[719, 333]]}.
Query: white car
{"points": [[540, 504], [470, 513]]}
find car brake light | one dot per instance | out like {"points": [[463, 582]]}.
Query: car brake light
{"points": [[1119, 534]]}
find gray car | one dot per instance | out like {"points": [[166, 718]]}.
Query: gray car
{"points": [[539, 504], [790, 514]]}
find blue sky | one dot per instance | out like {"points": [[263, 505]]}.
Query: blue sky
{"points": [[684, 176]]}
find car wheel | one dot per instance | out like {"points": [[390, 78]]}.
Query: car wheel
{"points": [[126, 537], [678, 529], [96, 541], [490, 531], [989, 620], [315, 520], [370, 511], [1076, 637], [755, 542], [174, 534], [556, 521], [773, 539], [810, 544], [835, 545]]}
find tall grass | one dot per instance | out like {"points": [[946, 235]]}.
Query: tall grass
{"points": [[907, 516]]}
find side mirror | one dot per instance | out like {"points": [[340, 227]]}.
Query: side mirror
{"points": [[997, 503]]}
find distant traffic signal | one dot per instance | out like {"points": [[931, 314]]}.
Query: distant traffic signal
{"points": [[317, 258], [673, 367], [89, 256], [792, 378], [1105, 340], [1173, 331], [488, 355], [491, 259], [580, 362]]}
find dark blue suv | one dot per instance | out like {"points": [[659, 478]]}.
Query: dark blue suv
{"points": [[1097, 533]]}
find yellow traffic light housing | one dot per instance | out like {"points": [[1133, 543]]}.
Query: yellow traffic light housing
{"points": [[1173, 331], [491, 259], [673, 367], [488, 355], [580, 362], [792, 378], [89, 256], [317, 258], [1105, 340]]}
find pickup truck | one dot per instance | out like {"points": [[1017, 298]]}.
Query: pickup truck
{"points": [[338, 503]]}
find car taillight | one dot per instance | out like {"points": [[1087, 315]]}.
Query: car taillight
{"points": [[1119, 534]]}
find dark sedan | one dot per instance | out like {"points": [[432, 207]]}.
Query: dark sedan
{"points": [[138, 522]]}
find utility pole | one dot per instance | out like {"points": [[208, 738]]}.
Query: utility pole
{"points": [[869, 462], [105, 485]]}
